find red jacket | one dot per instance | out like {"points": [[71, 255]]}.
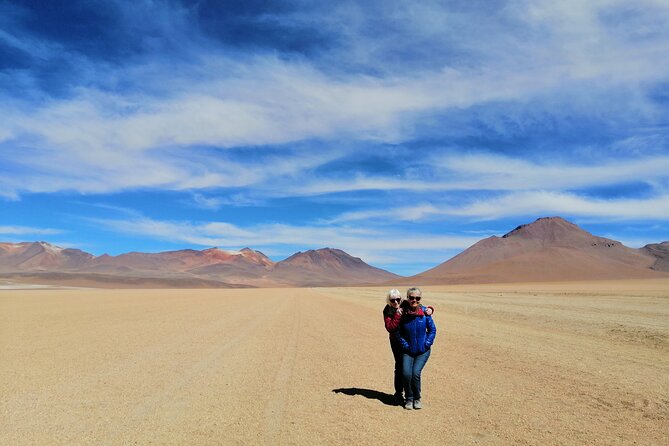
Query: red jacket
{"points": [[392, 319]]}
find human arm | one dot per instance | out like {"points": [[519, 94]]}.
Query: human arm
{"points": [[431, 331], [392, 321], [403, 342]]}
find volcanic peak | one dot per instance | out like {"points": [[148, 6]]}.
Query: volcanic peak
{"points": [[321, 254], [245, 254], [256, 256], [546, 227], [49, 247]]}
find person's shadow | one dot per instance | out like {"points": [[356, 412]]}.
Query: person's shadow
{"points": [[385, 398]]}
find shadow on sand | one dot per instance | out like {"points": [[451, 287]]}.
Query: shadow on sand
{"points": [[385, 398]]}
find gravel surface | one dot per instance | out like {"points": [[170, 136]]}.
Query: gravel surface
{"points": [[525, 364]]}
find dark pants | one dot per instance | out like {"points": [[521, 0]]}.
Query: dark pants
{"points": [[397, 353], [412, 366]]}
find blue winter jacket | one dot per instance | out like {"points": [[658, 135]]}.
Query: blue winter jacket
{"points": [[416, 333]]}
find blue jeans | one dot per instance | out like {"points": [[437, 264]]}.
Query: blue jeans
{"points": [[411, 367]]}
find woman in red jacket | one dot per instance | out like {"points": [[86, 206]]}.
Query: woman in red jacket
{"points": [[392, 314]]}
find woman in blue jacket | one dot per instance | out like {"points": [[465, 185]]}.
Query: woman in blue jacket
{"points": [[416, 334]]}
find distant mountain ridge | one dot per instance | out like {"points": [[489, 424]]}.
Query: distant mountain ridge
{"points": [[549, 249], [247, 267]]}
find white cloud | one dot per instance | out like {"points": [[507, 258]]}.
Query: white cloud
{"points": [[266, 100], [493, 173], [207, 202], [555, 203], [524, 203], [365, 243], [217, 202], [505, 173], [407, 213], [21, 230]]}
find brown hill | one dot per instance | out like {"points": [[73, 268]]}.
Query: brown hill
{"points": [[660, 251], [549, 249], [40, 256], [327, 267]]}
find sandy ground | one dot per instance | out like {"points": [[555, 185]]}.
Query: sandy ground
{"points": [[582, 363]]}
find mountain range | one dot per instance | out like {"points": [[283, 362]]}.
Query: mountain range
{"points": [[549, 249], [41, 262]]}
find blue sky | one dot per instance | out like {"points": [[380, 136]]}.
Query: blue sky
{"points": [[399, 131]]}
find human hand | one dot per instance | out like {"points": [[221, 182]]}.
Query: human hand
{"points": [[429, 311]]}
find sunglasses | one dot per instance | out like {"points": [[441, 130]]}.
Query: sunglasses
{"points": [[416, 298], [396, 300]]}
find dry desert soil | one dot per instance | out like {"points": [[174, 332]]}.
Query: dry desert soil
{"points": [[523, 364]]}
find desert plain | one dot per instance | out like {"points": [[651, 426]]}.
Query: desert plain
{"points": [[526, 364]]}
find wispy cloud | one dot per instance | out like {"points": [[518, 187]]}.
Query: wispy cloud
{"points": [[526, 204], [25, 230], [505, 173], [207, 202], [489, 172], [406, 213], [543, 203], [259, 99], [367, 243], [216, 202]]}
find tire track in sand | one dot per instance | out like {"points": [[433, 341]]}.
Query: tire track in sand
{"points": [[26, 403], [274, 409], [197, 370]]}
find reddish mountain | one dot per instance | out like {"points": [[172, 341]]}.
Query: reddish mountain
{"points": [[327, 267], [550, 249], [246, 255], [185, 260], [246, 266]]}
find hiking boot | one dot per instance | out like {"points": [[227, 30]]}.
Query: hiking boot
{"points": [[408, 405], [399, 400], [417, 404]]}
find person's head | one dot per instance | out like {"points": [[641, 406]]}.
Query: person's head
{"points": [[414, 295], [394, 298]]}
